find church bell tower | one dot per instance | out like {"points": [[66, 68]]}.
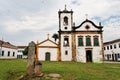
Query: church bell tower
{"points": [[65, 30]]}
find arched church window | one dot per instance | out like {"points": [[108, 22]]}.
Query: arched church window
{"points": [[80, 41], [88, 40], [65, 20], [96, 42], [66, 41]]}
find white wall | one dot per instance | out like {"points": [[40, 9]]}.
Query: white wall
{"points": [[5, 56], [112, 51], [81, 50], [43, 51], [20, 53], [68, 48]]}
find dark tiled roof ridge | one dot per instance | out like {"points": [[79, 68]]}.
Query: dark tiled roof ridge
{"points": [[7, 44], [112, 41]]}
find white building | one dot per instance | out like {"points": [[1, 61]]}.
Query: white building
{"points": [[20, 52], [48, 50], [112, 50], [83, 43], [7, 50]]}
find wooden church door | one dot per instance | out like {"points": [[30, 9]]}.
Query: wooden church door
{"points": [[47, 56], [88, 56]]}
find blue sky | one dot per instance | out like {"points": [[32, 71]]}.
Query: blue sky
{"points": [[22, 21]]}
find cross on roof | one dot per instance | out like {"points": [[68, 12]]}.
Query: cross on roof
{"points": [[86, 16], [65, 6], [48, 35]]}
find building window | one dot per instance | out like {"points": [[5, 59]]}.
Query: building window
{"points": [[66, 52], [80, 41], [104, 48], [13, 53], [87, 27], [96, 42], [107, 47], [109, 55], [114, 46], [8, 53], [105, 54], [65, 21], [2, 53], [88, 41], [110, 46], [118, 55], [66, 41]]}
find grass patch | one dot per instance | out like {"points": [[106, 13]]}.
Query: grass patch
{"points": [[11, 69]]}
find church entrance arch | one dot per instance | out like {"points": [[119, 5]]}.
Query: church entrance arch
{"points": [[47, 56], [88, 56]]}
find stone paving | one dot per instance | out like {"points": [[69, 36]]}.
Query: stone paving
{"points": [[52, 76]]}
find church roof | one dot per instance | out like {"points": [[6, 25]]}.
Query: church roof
{"points": [[7, 45], [46, 41], [99, 27], [113, 41]]}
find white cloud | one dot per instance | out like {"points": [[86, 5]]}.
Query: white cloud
{"points": [[112, 29], [40, 17], [31, 22]]}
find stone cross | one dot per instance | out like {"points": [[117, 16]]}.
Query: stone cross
{"points": [[86, 16]]}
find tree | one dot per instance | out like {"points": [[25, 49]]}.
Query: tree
{"points": [[25, 52], [55, 36]]}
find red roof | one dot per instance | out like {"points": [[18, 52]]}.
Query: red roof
{"points": [[21, 46], [7, 45]]}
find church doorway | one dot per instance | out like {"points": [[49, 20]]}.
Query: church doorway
{"points": [[47, 56], [88, 56]]}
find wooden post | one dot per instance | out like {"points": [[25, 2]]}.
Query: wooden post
{"points": [[37, 51]]}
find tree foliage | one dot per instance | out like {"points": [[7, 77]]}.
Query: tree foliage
{"points": [[25, 52], [55, 36]]}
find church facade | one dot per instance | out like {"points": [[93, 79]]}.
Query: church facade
{"points": [[82, 43], [48, 50]]}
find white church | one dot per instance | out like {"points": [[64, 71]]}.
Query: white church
{"points": [[82, 43]]}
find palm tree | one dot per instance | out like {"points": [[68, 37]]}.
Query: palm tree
{"points": [[55, 36]]}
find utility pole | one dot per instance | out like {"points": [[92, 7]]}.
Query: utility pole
{"points": [[1, 47]]}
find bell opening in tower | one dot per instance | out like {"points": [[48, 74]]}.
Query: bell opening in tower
{"points": [[65, 21]]}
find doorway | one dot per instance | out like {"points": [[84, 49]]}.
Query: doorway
{"points": [[47, 56], [116, 56], [88, 56], [112, 57]]}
